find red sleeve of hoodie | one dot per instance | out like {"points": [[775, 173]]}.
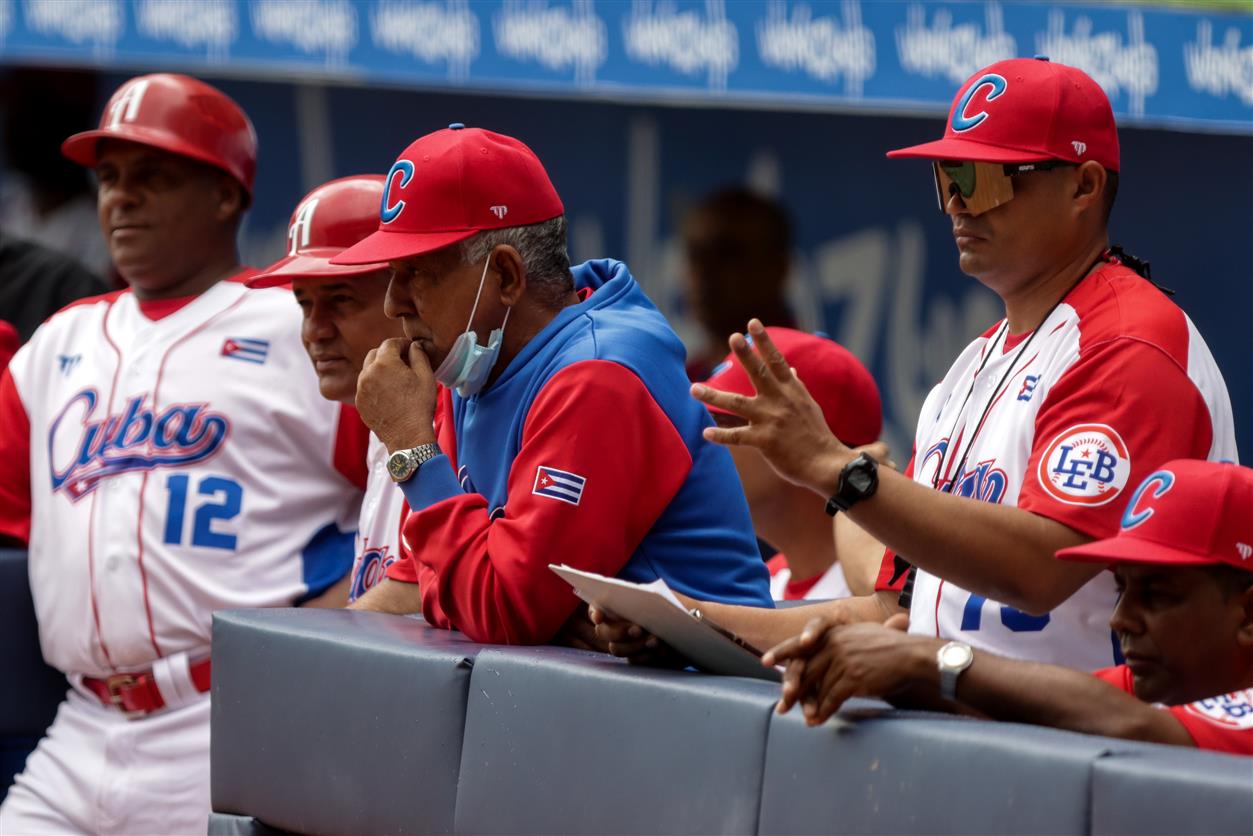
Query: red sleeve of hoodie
{"points": [[593, 421]]}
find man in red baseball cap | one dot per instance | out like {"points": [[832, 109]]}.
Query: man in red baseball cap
{"points": [[342, 320], [569, 436], [808, 565], [146, 439], [1183, 564], [1032, 439]]}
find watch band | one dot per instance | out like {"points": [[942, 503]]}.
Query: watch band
{"points": [[403, 464], [952, 659]]}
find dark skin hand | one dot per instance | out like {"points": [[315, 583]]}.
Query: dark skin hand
{"points": [[827, 665], [580, 633], [634, 643]]}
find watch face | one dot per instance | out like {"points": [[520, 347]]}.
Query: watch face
{"points": [[956, 655], [399, 466], [860, 480]]}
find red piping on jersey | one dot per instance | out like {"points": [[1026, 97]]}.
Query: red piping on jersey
{"points": [[139, 532], [91, 518], [952, 462], [143, 576], [939, 593]]}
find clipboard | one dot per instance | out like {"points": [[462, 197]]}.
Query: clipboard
{"points": [[654, 607]]}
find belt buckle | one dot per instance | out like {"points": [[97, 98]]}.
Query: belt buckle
{"points": [[114, 684]]}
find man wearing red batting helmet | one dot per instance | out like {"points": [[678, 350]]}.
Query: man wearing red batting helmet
{"points": [[165, 454], [342, 320]]}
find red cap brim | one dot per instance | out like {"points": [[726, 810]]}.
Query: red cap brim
{"points": [[82, 147], [385, 245], [311, 264], [1134, 550], [952, 148]]}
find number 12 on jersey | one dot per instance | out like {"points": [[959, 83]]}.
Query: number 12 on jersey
{"points": [[224, 500]]}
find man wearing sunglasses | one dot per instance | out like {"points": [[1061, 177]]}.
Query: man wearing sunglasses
{"points": [[1033, 438]]}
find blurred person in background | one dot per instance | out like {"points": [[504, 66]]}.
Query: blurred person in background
{"points": [[342, 320], [44, 197], [737, 248], [36, 282], [1183, 564]]}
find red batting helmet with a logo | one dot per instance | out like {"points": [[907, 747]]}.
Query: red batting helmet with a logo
{"points": [[327, 221], [179, 114]]}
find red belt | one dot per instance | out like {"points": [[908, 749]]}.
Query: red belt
{"points": [[137, 693]]}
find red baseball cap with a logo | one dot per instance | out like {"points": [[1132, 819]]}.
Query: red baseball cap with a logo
{"points": [[841, 385], [1026, 110], [1187, 513], [450, 184], [329, 220]]}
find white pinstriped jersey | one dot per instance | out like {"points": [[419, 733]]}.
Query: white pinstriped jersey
{"points": [[177, 467], [1116, 382]]}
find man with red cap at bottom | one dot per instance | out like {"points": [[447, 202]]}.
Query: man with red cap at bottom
{"points": [[569, 437], [342, 320], [165, 453], [1043, 424], [1183, 564], [809, 564]]}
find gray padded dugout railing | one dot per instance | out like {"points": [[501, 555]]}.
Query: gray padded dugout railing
{"points": [[344, 722]]}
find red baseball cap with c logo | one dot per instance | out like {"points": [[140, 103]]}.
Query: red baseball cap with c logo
{"points": [[1186, 513], [1026, 110], [450, 184]]}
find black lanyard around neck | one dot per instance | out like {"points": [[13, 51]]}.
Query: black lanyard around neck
{"points": [[1105, 257]]}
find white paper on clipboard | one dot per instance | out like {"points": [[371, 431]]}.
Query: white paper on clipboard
{"points": [[654, 607]]}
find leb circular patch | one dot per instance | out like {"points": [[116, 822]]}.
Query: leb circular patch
{"points": [[1087, 464]]}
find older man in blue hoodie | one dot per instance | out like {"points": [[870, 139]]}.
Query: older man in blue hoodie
{"points": [[568, 436]]}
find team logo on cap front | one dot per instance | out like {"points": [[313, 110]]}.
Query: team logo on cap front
{"points": [[1155, 486], [391, 211], [125, 105], [962, 121], [1088, 464], [298, 232]]}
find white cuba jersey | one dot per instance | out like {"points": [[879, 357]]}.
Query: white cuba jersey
{"points": [[378, 531], [1114, 383], [177, 466]]}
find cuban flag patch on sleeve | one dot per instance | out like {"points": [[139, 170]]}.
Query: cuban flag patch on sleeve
{"points": [[559, 484], [246, 348]]}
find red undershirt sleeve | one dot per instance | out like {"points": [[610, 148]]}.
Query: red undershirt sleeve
{"points": [[352, 442], [14, 462], [892, 571], [599, 462]]}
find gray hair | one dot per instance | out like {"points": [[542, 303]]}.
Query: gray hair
{"points": [[544, 256]]}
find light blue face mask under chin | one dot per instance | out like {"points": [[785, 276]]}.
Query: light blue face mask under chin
{"points": [[468, 364]]}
